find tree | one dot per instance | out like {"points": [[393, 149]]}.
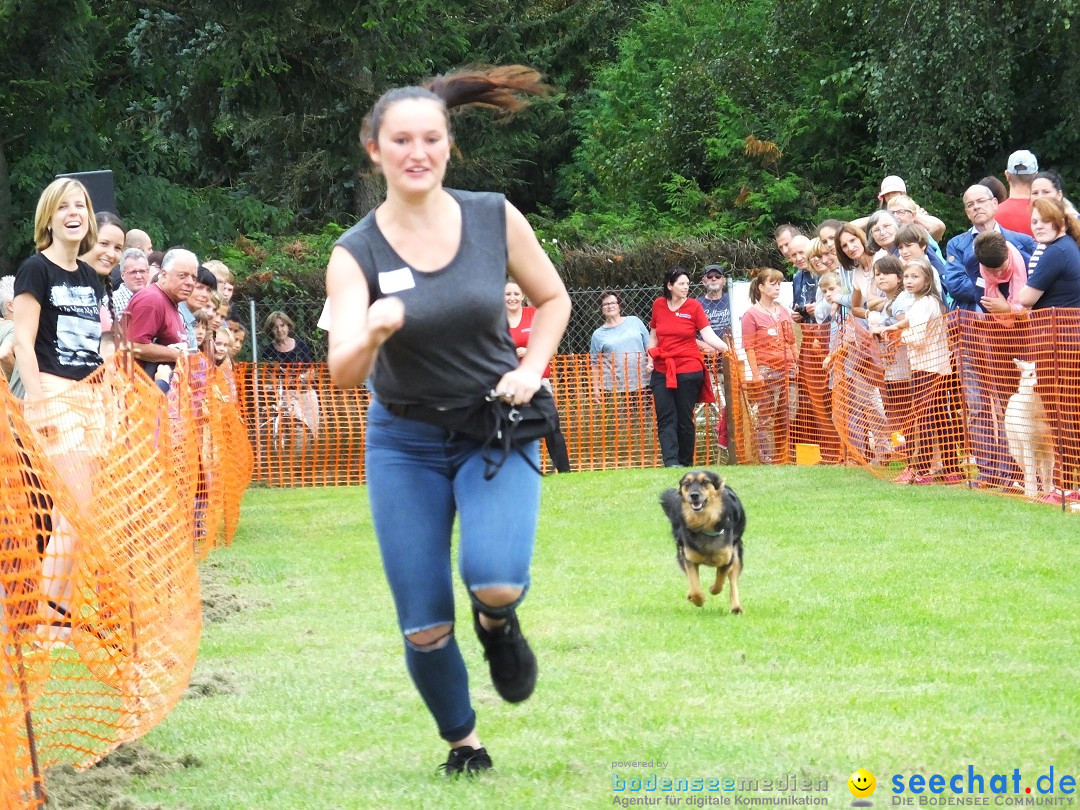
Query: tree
{"points": [[47, 108], [709, 121]]}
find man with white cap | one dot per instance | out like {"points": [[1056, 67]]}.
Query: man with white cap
{"points": [[894, 186], [1015, 213]]}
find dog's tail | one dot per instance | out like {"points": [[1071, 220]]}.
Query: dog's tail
{"points": [[671, 500]]}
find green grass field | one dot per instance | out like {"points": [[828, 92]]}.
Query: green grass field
{"points": [[901, 629]]}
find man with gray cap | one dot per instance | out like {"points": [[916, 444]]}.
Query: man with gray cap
{"points": [[1015, 213], [715, 301]]}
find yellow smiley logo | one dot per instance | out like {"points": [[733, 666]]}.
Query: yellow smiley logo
{"points": [[861, 783]]}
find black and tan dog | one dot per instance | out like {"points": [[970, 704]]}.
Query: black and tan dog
{"points": [[708, 520]]}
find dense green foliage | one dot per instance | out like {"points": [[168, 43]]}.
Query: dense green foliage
{"points": [[674, 120]]}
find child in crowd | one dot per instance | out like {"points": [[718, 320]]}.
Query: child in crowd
{"points": [[224, 278], [892, 354], [239, 336], [912, 243], [1002, 273], [202, 329], [218, 309], [223, 312], [226, 284], [830, 291], [933, 382], [223, 340], [895, 300]]}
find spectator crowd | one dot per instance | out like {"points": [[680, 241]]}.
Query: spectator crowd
{"points": [[928, 327], [927, 322]]}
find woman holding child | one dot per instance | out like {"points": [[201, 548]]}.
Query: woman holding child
{"points": [[1054, 281]]}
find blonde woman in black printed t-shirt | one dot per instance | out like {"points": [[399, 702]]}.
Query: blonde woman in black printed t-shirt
{"points": [[57, 339]]}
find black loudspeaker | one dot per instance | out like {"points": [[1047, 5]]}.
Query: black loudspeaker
{"points": [[100, 186]]}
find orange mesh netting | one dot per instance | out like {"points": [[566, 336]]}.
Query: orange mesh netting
{"points": [[930, 401], [306, 432], [109, 490], [944, 403]]}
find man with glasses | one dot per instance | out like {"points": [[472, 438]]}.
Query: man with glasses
{"points": [[715, 302], [962, 267], [134, 275], [979, 374]]}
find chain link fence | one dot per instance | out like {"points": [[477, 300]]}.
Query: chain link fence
{"points": [[585, 318]]}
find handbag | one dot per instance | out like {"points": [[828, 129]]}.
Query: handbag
{"points": [[499, 426], [505, 427]]}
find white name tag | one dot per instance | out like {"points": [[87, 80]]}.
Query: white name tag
{"points": [[980, 282], [396, 281]]}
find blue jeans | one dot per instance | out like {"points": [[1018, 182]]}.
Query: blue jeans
{"points": [[419, 477]]}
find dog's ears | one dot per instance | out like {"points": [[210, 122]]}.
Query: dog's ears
{"points": [[715, 480]]}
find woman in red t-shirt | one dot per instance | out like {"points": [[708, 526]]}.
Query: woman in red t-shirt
{"points": [[520, 319], [768, 334], [677, 323]]}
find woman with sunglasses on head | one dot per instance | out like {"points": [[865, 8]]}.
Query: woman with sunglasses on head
{"points": [[678, 372]]}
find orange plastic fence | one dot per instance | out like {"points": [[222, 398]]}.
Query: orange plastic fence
{"points": [[925, 404], [109, 493], [306, 432]]}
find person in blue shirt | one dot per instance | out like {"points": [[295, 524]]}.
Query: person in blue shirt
{"points": [[961, 279], [961, 266]]}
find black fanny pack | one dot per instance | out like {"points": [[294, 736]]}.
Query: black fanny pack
{"points": [[497, 425]]}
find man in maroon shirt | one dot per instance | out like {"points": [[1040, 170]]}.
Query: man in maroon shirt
{"points": [[156, 330]]}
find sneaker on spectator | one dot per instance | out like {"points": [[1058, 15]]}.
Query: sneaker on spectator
{"points": [[953, 478], [922, 480], [906, 477]]}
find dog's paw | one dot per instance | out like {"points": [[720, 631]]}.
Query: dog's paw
{"points": [[736, 609], [716, 588], [697, 597]]}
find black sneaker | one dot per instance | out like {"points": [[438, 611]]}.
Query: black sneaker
{"points": [[512, 663], [467, 760]]}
